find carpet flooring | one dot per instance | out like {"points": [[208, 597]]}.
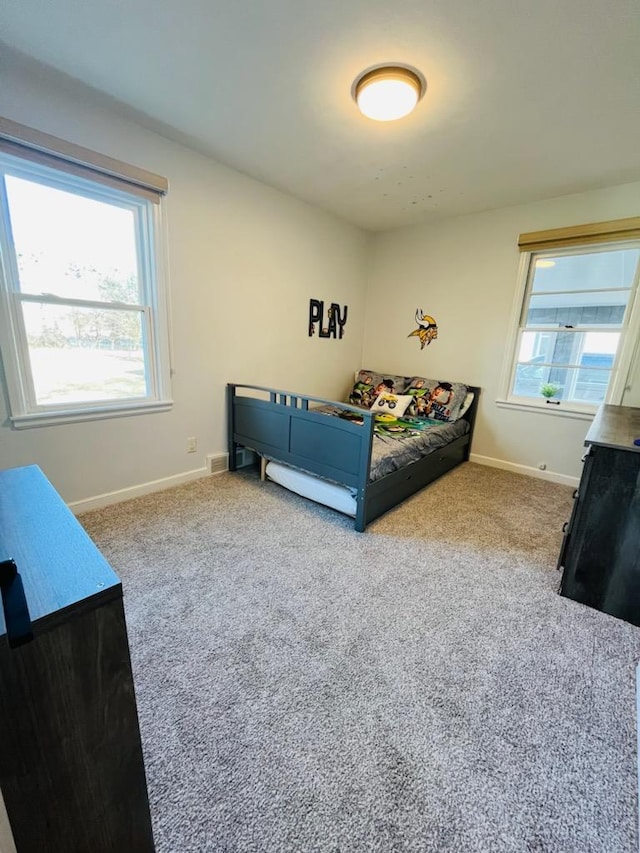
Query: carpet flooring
{"points": [[419, 687]]}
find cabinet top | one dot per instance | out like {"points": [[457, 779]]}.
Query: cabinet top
{"points": [[61, 569], [615, 426]]}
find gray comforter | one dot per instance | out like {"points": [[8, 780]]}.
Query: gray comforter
{"points": [[394, 450]]}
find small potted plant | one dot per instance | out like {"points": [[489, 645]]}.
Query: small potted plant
{"points": [[549, 390]]}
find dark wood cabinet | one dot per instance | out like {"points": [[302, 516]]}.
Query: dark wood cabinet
{"points": [[71, 764], [600, 552]]}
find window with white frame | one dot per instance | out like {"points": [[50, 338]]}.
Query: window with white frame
{"points": [[84, 329], [577, 326]]}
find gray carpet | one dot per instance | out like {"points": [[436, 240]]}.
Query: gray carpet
{"points": [[419, 687]]}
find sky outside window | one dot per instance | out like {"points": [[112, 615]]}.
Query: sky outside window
{"points": [[67, 244]]}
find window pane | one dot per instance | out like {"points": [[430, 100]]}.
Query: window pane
{"points": [[543, 355], [72, 246], [582, 290], [615, 268], [584, 309], [590, 385], [569, 348], [83, 355], [582, 385]]}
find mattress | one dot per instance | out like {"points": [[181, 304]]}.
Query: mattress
{"points": [[390, 452], [340, 498], [396, 448]]}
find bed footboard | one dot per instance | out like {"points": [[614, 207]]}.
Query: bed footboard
{"points": [[284, 426]]}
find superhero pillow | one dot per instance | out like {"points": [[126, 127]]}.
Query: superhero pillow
{"points": [[435, 399], [369, 384]]}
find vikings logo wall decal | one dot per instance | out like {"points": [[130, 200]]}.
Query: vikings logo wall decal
{"points": [[427, 329]]}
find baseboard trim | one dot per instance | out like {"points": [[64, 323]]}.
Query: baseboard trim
{"points": [[552, 476], [108, 498]]}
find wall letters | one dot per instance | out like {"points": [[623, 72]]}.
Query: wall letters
{"points": [[336, 320]]}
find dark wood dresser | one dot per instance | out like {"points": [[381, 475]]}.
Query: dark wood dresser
{"points": [[600, 551], [71, 766]]}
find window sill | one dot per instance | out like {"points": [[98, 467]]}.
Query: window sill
{"points": [[70, 416], [564, 410]]}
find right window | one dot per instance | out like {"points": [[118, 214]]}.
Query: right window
{"points": [[574, 320]]}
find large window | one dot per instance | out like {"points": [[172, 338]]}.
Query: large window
{"points": [[84, 327], [573, 338]]}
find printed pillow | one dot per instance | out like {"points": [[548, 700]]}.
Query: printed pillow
{"points": [[393, 404], [418, 386], [369, 384], [442, 402], [447, 399], [362, 392], [466, 404], [419, 390]]}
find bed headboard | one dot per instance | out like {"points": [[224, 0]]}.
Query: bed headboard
{"points": [[472, 411]]}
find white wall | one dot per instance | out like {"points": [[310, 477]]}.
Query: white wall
{"points": [[244, 262], [464, 273]]}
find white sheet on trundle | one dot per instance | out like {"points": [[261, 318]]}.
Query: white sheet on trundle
{"points": [[340, 498]]}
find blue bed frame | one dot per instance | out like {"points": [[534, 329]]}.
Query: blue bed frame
{"points": [[281, 425]]}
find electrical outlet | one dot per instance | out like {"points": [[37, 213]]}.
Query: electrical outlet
{"points": [[192, 445]]}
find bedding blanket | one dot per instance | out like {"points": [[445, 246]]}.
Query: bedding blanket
{"points": [[399, 441]]}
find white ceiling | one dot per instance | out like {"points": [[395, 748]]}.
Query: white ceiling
{"points": [[525, 100]]}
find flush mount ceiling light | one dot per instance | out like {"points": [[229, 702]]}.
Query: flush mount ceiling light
{"points": [[388, 92]]}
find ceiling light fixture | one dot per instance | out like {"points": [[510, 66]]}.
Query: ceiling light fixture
{"points": [[388, 92]]}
